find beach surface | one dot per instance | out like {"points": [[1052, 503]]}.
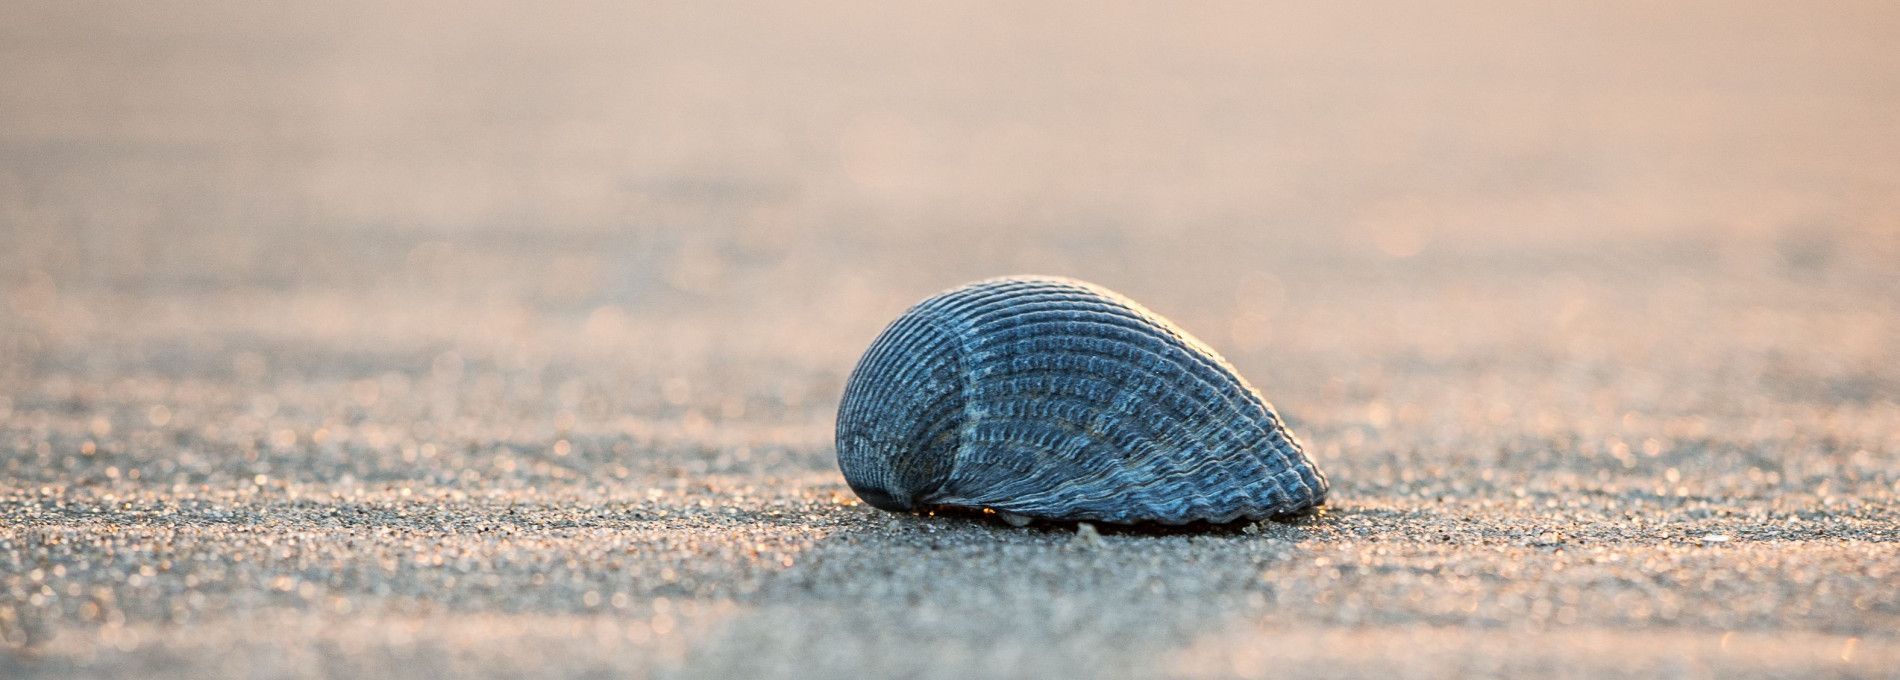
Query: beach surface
{"points": [[342, 340]]}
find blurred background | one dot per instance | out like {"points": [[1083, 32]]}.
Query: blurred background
{"points": [[308, 296], [686, 220]]}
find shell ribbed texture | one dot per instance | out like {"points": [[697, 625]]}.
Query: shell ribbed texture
{"points": [[1057, 399]]}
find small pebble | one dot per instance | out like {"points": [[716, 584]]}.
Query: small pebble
{"points": [[1086, 535]]}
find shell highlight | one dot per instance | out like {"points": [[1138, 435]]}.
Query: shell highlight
{"points": [[1056, 399]]}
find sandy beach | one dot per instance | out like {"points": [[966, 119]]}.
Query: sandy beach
{"points": [[474, 340]]}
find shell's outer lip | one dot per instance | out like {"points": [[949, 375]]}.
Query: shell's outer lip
{"points": [[1246, 514], [1210, 520], [878, 499]]}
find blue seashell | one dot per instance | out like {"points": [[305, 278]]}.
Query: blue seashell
{"points": [[1051, 398]]}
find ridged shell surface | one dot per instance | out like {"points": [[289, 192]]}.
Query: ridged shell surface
{"points": [[1052, 398]]}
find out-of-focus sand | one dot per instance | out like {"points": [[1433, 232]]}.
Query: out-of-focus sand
{"points": [[471, 339]]}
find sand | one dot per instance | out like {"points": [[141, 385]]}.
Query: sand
{"points": [[471, 341]]}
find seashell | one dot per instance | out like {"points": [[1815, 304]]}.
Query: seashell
{"points": [[1051, 398]]}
